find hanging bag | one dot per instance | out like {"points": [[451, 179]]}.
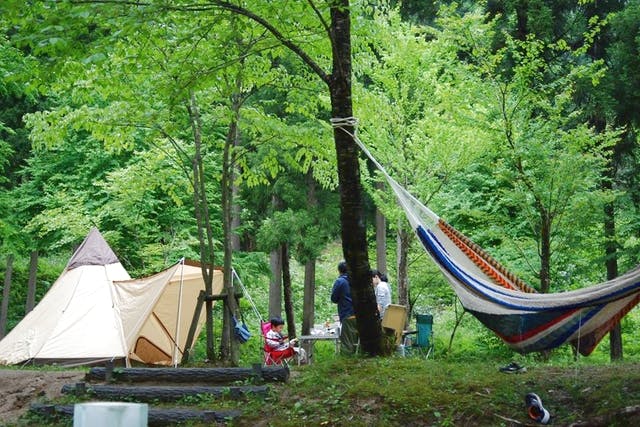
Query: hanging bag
{"points": [[241, 331]]}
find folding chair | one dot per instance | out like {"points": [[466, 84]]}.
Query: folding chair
{"points": [[395, 318], [271, 357], [423, 343]]}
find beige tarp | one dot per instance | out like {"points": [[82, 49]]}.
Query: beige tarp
{"points": [[157, 311], [94, 312]]}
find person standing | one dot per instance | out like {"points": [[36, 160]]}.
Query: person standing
{"points": [[382, 291], [341, 295]]}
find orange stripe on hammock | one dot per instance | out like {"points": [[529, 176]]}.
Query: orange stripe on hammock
{"points": [[492, 268]]}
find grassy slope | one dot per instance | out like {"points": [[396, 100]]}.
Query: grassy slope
{"points": [[412, 391]]}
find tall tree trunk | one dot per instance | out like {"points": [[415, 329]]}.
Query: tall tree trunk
{"points": [[522, 18], [235, 212], [203, 221], [31, 286], [381, 238], [611, 257], [308, 304], [615, 335], [226, 184], [275, 284], [403, 240], [598, 119], [287, 291], [545, 252], [354, 239], [6, 292]]}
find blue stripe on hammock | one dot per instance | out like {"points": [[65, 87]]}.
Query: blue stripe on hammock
{"points": [[431, 244], [545, 339]]}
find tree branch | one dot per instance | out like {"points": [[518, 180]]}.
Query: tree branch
{"points": [[322, 20], [238, 10]]}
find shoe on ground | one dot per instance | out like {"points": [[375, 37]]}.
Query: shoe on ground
{"points": [[536, 411], [513, 368]]}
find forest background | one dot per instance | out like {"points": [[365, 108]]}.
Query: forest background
{"points": [[516, 121]]}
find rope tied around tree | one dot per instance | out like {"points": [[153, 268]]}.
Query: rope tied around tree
{"points": [[343, 122]]}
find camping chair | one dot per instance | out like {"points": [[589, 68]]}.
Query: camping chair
{"points": [[393, 323], [423, 343], [271, 358], [395, 318]]}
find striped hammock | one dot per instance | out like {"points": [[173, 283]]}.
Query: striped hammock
{"points": [[525, 320]]}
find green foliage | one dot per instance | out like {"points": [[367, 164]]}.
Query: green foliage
{"points": [[485, 120]]}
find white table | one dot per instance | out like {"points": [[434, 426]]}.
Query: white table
{"points": [[325, 334]]}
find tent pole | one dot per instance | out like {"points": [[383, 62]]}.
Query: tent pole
{"points": [[177, 334]]}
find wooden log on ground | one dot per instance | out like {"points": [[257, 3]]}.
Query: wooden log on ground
{"points": [[157, 417], [160, 393], [191, 375]]}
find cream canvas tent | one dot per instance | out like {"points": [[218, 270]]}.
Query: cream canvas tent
{"points": [[94, 312], [157, 311]]}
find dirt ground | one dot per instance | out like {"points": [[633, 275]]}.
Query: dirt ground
{"points": [[18, 388]]}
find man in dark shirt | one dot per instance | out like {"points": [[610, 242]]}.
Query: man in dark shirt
{"points": [[341, 295]]}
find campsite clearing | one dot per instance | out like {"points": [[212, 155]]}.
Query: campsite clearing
{"points": [[399, 391]]}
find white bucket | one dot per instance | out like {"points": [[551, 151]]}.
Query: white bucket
{"points": [[110, 414]]}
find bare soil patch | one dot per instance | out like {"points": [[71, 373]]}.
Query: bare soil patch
{"points": [[19, 388]]}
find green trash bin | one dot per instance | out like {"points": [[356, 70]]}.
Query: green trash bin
{"points": [[422, 343]]}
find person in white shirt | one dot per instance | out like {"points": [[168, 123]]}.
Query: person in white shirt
{"points": [[382, 291]]}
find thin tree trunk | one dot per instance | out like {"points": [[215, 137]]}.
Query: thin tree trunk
{"points": [[611, 263], [545, 252], [308, 304], [201, 209], [235, 208], [4, 309], [403, 239], [235, 216], [31, 287], [381, 239], [308, 307], [598, 119], [287, 291], [226, 184], [275, 284]]}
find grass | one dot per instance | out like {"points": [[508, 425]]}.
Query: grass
{"points": [[413, 391], [445, 391]]}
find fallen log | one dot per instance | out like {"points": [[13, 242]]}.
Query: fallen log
{"points": [[156, 417], [160, 393], [190, 375]]}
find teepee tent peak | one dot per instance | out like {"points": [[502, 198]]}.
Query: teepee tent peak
{"points": [[75, 321], [94, 250]]}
